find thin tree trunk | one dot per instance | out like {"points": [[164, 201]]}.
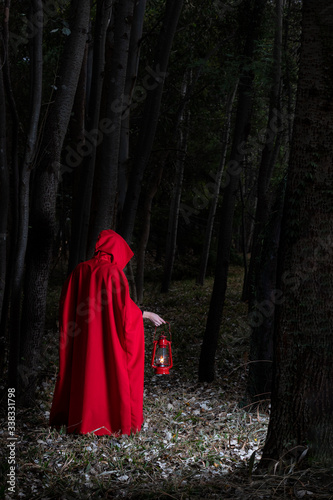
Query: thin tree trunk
{"points": [[44, 201], [302, 396], [171, 244], [243, 229], [217, 185], [150, 116], [253, 14], [146, 216], [106, 174], [24, 189], [93, 136], [250, 188]]}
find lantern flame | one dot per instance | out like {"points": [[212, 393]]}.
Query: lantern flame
{"points": [[161, 359]]}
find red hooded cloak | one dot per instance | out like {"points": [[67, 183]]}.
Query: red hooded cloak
{"points": [[99, 387]]}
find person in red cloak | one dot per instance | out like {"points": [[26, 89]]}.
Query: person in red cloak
{"points": [[99, 386]]}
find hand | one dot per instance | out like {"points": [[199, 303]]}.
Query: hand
{"points": [[153, 317]]}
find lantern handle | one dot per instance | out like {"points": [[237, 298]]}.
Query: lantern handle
{"points": [[163, 331]]}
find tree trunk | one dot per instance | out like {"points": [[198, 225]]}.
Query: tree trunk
{"points": [[141, 252], [19, 250], [77, 135], [4, 202], [243, 228], [217, 185], [14, 175], [261, 280], [287, 80], [106, 174], [267, 163], [44, 201], [252, 16], [93, 136], [131, 77], [261, 316], [150, 116], [302, 395], [171, 244]]}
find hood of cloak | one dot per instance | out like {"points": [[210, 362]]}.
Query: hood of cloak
{"points": [[111, 243]]}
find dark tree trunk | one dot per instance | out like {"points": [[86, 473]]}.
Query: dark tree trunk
{"points": [[261, 316], [252, 12], [150, 116], [85, 162], [76, 126], [76, 135], [131, 78], [267, 164], [24, 189], [243, 228], [4, 202], [43, 207], [141, 252], [288, 63], [261, 280], [106, 173], [171, 243], [302, 395], [13, 159], [217, 185]]}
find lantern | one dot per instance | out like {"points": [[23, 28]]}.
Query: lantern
{"points": [[161, 359]]}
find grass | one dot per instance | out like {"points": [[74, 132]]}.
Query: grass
{"points": [[196, 441]]}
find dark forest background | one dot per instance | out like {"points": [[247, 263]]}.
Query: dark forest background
{"points": [[202, 132]]}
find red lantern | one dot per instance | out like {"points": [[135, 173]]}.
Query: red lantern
{"points": [[161, 359]]}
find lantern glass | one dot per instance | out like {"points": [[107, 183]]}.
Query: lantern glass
{"points": [[162, 356]]}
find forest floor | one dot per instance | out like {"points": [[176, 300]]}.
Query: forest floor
{"points": [[196, 442]]}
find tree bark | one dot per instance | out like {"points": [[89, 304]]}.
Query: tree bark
{"points": [[302, 395], [36, 51], [43, 206], [93, 136], [131, 77], [262, 313], [4, 202], [14, 175], [267, 163], [106, 174], [252, 16], [150, 116], [261, 279]]}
